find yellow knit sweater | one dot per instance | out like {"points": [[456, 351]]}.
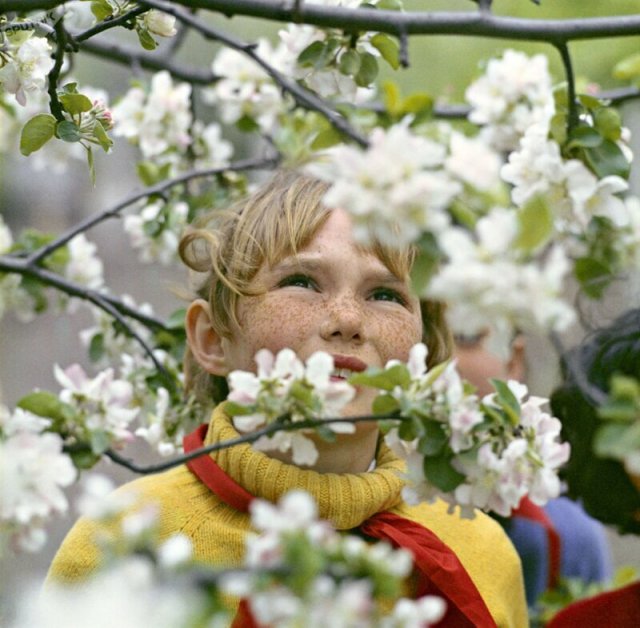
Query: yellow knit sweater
{"points": [[218, 532]]}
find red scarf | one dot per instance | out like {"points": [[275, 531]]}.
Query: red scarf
{"points": [[438, 570]]}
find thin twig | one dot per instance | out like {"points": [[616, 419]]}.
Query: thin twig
{"points": [[106, 25], [572, 118], [54, 74], [89, 222], [272, 428]]}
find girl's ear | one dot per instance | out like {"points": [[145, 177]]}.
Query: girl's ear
{"points": [[204, 342]]}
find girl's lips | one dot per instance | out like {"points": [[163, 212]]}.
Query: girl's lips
{"points": [[349, 363]]}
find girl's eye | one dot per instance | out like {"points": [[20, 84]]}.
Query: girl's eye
{"points": [[388, 294], [297, 281]]}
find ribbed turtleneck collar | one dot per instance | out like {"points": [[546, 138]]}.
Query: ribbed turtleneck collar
{"points": [[345, 499]]}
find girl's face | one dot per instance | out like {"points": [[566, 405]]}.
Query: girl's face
{"points": [[334, 297]]}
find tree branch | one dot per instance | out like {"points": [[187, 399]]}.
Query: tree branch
{"points": [[84, 225], [425, 23], [54, 74], [149, 61], [19, 266], [272, 428], [415, 22]]}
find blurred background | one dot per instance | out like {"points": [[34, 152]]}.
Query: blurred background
{"points": [[51, 202]]}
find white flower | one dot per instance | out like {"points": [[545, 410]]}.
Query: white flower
{"points": [[33, 471], [295, 512], [267, 393], [78, 15], [104, 402], [394, 190], [27, 71], [160, 23], [176, 550], [6, 240], [209, 147], [158, 121], [513, 94], [127, 594], [245, 89], [84, 267], [165, 222], [420, 613], [473, 161]]}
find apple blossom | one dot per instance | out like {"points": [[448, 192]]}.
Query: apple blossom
{"points": [[267, 397], [157, 121], [512, 95], [104, 403], [27, 70], [33, 471], [245, 89], [160, 23], [394, 190]]}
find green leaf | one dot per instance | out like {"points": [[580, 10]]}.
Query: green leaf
{"points": [[68, 131], [613, 440], [388, 47], [584, 137], [590, 102], [45, 404], [75, 103], [92, 165], [419, 102], [407, 430], [507, 400], [391, 97], [434, 439], [439, 471], [368, 70], [147, 172], [326, 138], [96, 347], [593, 276], [608, 122], [385, 379], [99, 440], [314, 55], [101, 137], [390, 5], [535, 225], [247, 124], [83, 457], [384, 404], [237, 409], [101, 9], [350, 62], [36, 133], [146, 40], [628, 68], [607, 159]]}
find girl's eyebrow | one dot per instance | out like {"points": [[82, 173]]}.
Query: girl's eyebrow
{"points": [[305, 262]]}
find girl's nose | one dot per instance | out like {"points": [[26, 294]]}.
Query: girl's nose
{"points": [[343, 320]]}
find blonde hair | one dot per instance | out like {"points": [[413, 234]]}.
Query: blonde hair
{"points": [[227, 248]]}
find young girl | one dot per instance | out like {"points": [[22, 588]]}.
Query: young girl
{"points": [[281, 270]]}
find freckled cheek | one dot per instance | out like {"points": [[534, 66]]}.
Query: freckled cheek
{"points": [[397, 336], [276, 324]]}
